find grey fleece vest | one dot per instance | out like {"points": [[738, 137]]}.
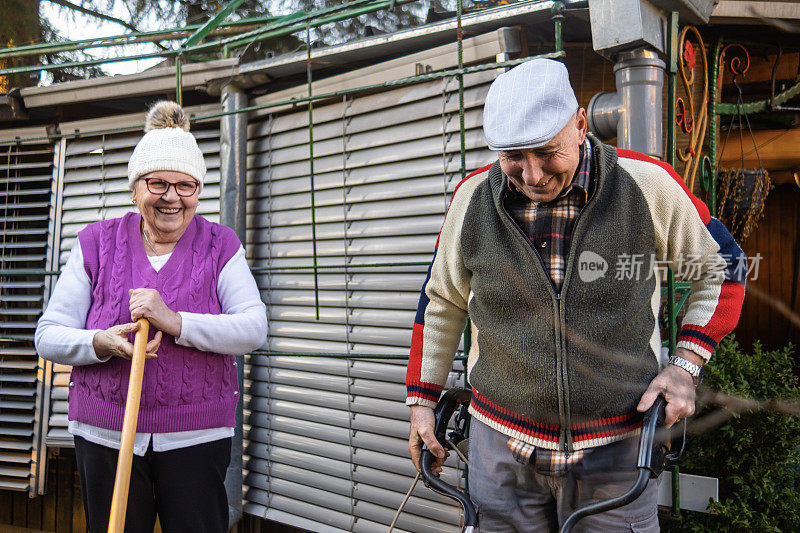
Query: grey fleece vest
{"points": [[568, 358]]}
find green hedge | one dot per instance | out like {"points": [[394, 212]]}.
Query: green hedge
{"points": [[755, 455]]}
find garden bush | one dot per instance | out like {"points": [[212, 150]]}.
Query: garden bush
{"points": [[755, 455]]}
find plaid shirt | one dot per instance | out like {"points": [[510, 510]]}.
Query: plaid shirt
{"points": [[546, 462], [549, 230], [549, 225]]}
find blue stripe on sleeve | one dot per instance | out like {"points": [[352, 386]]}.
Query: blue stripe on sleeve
{"points": [[423, 297], [736, 268]]}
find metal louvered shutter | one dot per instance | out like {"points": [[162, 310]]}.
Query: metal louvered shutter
{"points": [[25, 190], [327, 436], [95, 187]]}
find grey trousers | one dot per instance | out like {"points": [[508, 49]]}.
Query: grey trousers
{"points": [[513, 497]]}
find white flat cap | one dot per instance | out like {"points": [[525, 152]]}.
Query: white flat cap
{"points": [[528, 105]]}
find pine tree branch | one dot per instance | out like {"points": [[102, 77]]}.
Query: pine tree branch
{"points": [[97, 14], [93, 13]]}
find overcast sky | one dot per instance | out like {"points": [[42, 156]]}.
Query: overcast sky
{"points": [[74, 26]]}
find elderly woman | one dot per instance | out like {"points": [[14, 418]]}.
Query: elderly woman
{"points": [[190, 279]]}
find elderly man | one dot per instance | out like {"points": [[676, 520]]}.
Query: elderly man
{"points": [[565, 351]]}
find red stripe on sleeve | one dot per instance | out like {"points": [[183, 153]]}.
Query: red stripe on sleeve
{"points": [[726, 314], [702, 209], [414, 371]]}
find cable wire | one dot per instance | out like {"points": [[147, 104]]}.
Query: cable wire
{"points": [[403, 503]]}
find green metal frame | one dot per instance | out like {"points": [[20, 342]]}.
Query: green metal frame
{"points": [[212, 24], [296, 23], [672, 87], [172, 34], [672, 310], [309, 80], [195, 38], [759, 106], [558, 22], [285, 25], [712, 126]]}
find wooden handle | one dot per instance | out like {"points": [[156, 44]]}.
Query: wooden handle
{"points": [[122, 481]]}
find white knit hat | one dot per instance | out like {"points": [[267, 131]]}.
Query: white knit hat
{"points": [[166, 145]]}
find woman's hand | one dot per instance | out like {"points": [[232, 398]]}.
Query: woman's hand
{"points": [[148, 303], [113, 342]]}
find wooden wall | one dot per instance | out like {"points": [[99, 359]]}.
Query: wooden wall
{"points": [[60, 510], [776, 292]]}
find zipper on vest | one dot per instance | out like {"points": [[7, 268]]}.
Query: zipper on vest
{"points": [[577, 235], [561, 376], [564, 436]]}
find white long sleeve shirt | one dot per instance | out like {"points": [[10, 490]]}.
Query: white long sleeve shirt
{"points": [[60, 337]]}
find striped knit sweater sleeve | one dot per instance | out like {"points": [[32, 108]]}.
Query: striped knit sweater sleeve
{"points": [[442, 310], [686, 233]]}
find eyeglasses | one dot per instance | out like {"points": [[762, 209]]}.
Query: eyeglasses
{"points": [[182, 188]]}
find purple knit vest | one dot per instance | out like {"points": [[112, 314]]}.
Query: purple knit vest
{"points": [[184, 388]]}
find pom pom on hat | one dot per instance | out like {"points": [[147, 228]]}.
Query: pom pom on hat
{"points": [[166, 145], [166, 114]]}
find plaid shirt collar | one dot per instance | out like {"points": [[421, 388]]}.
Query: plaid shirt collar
{"points": [[583, 174], [580, 180]]}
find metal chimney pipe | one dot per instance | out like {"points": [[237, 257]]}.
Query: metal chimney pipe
{"points": [[232, 192], [603, 114], [633, 113]]}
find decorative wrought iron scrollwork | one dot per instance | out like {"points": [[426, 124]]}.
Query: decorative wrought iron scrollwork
{"points": [[738, 59], [692, 119]]}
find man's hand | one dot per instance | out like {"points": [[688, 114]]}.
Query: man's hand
{"points": [[148, 303], [422, 424], [113, 342], [676, 386]]}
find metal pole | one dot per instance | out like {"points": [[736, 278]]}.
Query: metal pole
{"points": [[178, 80], [311, 167], [212, 23], [712, 126], [298, 21], [670, 158], [233, 193], [558, 22], [460, 38], [172, 34], [37, 68], [672, 85], [760, 106]]}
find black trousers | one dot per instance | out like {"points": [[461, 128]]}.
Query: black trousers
{"points": [[184, 487]]}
